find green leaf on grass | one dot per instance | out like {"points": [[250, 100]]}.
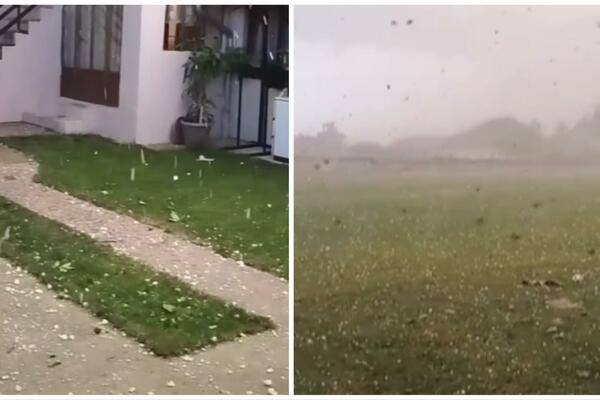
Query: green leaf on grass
{"points": [[168, 307], [173, 217]]}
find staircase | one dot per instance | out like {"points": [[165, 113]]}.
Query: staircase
{"points": [[15, 20]]}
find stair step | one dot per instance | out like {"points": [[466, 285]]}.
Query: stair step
{"points": [[24, 28], [57, 123], [7, 39]]}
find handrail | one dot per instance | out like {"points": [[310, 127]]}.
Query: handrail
{"points": [[8, 11], [17, 20]]}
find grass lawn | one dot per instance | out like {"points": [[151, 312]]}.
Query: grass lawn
{"points": [[157, 309], [237, 204], [447, 282]]}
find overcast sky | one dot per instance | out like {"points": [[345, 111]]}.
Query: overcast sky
{"points": [[447, 67]]}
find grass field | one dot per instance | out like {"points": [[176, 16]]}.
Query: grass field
{"points": [[158, 310], [237, 204], [447, 279]]}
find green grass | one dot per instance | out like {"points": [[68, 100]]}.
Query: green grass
{"points": [[411, 282], [167, 315], [210, 201]]}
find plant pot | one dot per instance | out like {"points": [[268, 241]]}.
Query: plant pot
{"points": [[195, 134]]}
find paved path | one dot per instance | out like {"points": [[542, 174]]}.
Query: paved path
{"points": [[251, 289], [21, 129], [35, 360]]}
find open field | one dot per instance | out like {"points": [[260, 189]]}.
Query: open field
{"points": [[447, 278], [237, 204]]}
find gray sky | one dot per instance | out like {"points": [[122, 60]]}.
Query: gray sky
{"points": [[453, 67]]}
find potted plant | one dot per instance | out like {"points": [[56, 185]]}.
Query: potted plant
{"points": [[203, 66]]}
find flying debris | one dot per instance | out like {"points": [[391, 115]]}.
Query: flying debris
{"points": [[409, 22], [388, 86], [202, 158], [394, 22], [142, 157], [6, 235]]}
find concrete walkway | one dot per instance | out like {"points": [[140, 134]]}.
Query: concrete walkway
{"points": [[48, 346], [251, 289]]}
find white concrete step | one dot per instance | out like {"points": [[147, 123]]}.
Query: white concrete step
{"points": [[57, 123]]}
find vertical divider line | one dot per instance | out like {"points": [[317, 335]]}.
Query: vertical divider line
{"points": [[291, 163]]}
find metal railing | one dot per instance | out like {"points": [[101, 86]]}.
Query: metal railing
{"points": [[13, 15]]}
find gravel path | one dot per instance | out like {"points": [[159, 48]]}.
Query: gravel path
{"points": [[48, 346], [251, 289]]}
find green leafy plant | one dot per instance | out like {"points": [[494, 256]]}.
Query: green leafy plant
{"points": [[203, 66]]}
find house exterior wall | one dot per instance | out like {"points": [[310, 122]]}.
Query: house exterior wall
{"points": [[117, 123], [156, 76], [30, 71], [151, 86], [160, 81]]}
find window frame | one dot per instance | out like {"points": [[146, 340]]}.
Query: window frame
{"points": [[187, 30], [89, 84]]}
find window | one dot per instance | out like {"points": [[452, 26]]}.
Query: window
{"points": [[191, 25], [267, 41], [91, 53]]}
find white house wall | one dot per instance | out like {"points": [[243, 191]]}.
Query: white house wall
{"points": [[117, 123], [150, 84], [161, 100], [150, 92], [30, 71], [160, 81]]}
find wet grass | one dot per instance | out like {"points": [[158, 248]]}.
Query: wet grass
{"points": [[237, 204], [165, 314], [424, 283]]}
